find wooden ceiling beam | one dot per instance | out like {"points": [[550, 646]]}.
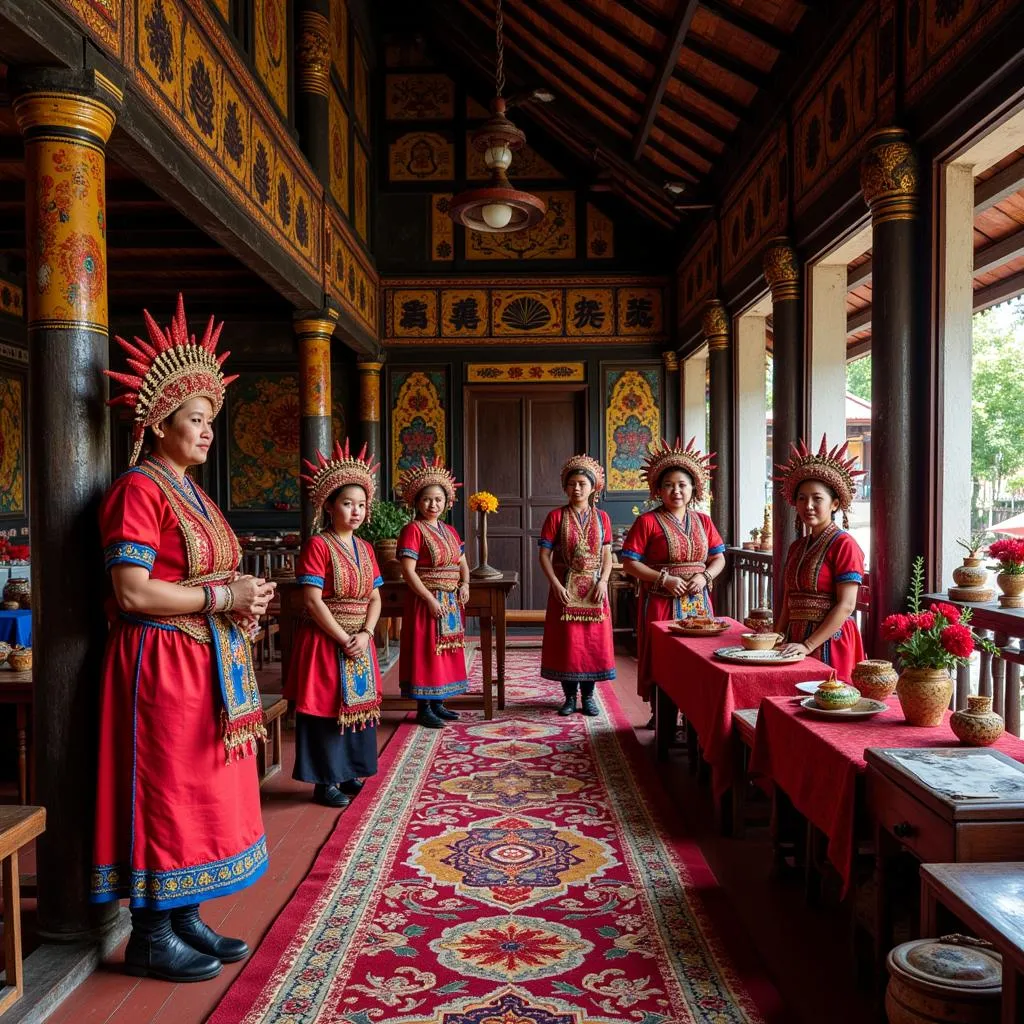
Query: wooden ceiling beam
{"points": [[993, 256], [760, 30], [708, 51], [685, 10], [858, 348], [1000, 186], [1001, 291], [860, 274], [859, 320]]}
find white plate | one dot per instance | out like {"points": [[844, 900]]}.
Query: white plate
{"points": [[742, 656], [808, 687], [864, 708]]}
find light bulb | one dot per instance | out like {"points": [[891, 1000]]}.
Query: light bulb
{"points": [[498, 156], [497, 215]]}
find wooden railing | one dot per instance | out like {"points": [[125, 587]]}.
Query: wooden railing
{"points": [[997, 677]]}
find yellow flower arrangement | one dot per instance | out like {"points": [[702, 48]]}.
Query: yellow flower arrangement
{"points": [[483, 501]]}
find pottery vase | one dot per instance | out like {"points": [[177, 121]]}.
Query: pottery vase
{"points": [[18, 589], [924, 695], [387, 558], [970, 575], [977, 725], [834, 696], [1011, 585], [875, 679], [20, 659]]}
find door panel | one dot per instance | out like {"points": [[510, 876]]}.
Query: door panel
{"points": [[516, 442]]}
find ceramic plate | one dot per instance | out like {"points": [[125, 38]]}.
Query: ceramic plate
{"points": [[718, 630], [742, 656], [864, 708], [808, 687]]}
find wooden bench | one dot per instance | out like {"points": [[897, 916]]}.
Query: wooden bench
{"points": [[268, 751], [18, 827]]}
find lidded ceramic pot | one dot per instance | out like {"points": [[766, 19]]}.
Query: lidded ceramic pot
{"points": [[833, 695]]}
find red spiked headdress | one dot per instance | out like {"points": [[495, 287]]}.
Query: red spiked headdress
{"points": [[689, 459], [831, 466], [170, 369], [344, 469], [428, 474]]}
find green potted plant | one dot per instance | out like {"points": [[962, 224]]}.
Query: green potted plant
{"points": [[381, 530], [972, 545]]}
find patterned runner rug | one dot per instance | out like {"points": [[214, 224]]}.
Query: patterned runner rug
{"points": [[525, 870]]}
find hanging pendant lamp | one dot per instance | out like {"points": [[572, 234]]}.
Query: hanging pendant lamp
{"points": [[497, 207]]}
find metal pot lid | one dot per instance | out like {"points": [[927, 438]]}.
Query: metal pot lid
{"points": [[949, 965]]}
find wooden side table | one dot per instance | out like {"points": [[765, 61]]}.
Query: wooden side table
{"points": [[989, 900], [18, 827]]}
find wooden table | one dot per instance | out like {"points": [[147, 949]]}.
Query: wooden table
{"points": [[487, 601], [16, 688], [18, 827], [989, 900], [908, 815]]}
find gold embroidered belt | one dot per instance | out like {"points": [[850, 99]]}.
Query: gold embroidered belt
{"points": [[348, 612], [808, 606], [682, 569], [446, 578]]}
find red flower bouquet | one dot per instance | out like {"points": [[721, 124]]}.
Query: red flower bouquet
{"points": [[937, 638], [1010, 555]]}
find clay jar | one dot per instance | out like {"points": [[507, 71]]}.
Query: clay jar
{"points": [[1011, 585], [19, 589], [977, 725], [924, 695], [876, 680], [970, 575]]}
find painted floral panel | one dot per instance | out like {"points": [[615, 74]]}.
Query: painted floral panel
{"points": [[632, 421]]}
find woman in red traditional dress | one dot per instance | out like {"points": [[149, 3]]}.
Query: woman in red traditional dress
{"points": [[432, 663], [825, 567], [178, 803], [674, 551], [333, 676], [576, 556]]}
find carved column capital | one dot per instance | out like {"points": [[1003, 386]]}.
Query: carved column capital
{"points": [[715, 324], [313, 53], [890, 177], [781, 269]]}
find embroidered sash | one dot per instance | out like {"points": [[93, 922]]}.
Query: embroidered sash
{"points": [[213, 554], [808, 604], [442, 578], [580, 548], [352, 569]]}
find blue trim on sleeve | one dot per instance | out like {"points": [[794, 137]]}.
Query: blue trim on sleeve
{"points": [[635, 555], [310, 580], [716, 550], [129, 552], [378, 581], [542, 543], [462, 549], [850, 577], [408, 553]]}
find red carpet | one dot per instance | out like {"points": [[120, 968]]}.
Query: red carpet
{"points": [[519, 871]]}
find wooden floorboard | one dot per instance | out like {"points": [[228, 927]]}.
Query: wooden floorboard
{"points": [[787, 935]]}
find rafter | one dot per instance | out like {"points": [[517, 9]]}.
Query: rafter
{"points": [[1000, 186], [708, 51], [860, 274], [760, 30], [1001, 291], [998, 253], [685, 11], [859, 320]]}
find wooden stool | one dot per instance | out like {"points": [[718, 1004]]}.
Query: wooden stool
{"points": [[268, 751], [18, 827]]}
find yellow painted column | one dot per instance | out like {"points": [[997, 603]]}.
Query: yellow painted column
{"points": [[313, 331], [66, 118], [369, 408]]}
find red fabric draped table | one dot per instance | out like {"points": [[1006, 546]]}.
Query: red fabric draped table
{"points": [[818, 763], [707, 690]]}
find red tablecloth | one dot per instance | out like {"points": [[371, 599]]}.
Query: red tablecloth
{"points": [[708, 690], [816, 762]]}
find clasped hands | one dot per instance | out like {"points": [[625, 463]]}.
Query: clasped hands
{"points": [[681, 586], [461, 595]]}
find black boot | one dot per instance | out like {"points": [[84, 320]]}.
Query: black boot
{"points": [[425, 716], [588, 706], [569, 689], [437, 706], [329, 796], [191, 928], [154, 950], [351, 787]]}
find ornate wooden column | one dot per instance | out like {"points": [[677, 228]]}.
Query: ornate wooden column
{"points": [[716, 333], [369, 409], [899, 394], [313, 331], [66, 118], [782, 272], [673, 391], [313, 84]]}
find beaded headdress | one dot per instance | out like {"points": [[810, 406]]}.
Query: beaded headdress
{"points": [[831, 466], [589, 467], [170, 369], [688, 459], [427, 474], [345, 468]]}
